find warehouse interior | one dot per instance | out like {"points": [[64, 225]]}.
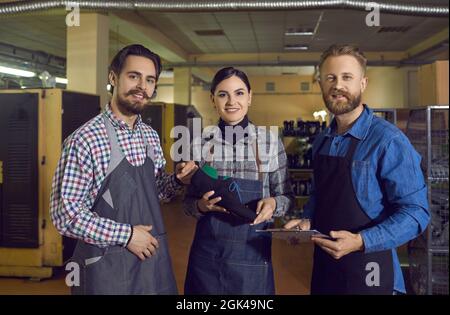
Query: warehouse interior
{"points": [[54, 60]]}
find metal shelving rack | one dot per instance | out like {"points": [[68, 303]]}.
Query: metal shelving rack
{"points": [[428, 131], [390, 114]]}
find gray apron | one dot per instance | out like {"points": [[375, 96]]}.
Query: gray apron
{"points": [[227, 255], [128, 195]]}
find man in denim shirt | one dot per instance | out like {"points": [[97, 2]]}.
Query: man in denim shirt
{"points": [[369, 192]]}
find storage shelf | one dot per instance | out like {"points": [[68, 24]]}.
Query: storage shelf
{"points": [[427, 129], [300, 170], [439, 249]]}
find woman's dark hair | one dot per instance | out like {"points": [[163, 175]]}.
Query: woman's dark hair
{"points": [[226, 73], [134, 50]]}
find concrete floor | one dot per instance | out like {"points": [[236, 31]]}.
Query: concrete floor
{"points": [[292, 264]]}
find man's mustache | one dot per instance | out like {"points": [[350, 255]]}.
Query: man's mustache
{"points": [[339, 93], [138, 92]]}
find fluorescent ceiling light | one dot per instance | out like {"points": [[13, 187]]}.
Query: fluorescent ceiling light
{"points": [[166, 74], [295, 47], [299, 33], [61, 80], [18, 72]]}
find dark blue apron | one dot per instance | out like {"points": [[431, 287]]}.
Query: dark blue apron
{"points": [[338, 209], [227, 255], [128, 195]]}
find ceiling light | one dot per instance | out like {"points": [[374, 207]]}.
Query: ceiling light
{"points": [[166, 74], [61, 80], [307, 33], [296, 47], [299, 31], [18, 72]]}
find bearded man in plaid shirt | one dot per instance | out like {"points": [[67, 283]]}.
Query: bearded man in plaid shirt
{"points": [[108, 184]]}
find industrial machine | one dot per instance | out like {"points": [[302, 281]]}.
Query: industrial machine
{"points": [[33, 125]]}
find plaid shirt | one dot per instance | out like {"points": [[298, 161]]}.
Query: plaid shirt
{"points": [[80, 173], [237, 163]]}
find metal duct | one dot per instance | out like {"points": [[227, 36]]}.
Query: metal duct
{"points": [[399, 8]]}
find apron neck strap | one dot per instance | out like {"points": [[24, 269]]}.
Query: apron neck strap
{"points": [[112, 136], [256, 154], [351, 150]]}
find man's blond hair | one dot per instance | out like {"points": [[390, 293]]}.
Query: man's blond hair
{"points": [[342, 50]]}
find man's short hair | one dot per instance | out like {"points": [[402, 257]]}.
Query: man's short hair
{"points": [[118, 61], [342, 50]]}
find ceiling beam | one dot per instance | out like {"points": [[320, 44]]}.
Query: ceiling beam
{"points": [[430, 42], [279, 59], [133, 28], [136, 29]]}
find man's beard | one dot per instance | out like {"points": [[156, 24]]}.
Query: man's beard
{"points": [[128, 108], [341, 107]]}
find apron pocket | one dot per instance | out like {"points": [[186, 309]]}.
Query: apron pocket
{"points": [[93, 260], [154, 275], [253, 279], [105, 274]]}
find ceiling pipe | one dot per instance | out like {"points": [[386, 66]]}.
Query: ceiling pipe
{"points": [[218, 64], [392, 7]]}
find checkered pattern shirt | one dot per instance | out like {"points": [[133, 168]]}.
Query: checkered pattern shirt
{"points": [[242, 164], [82, 168]]}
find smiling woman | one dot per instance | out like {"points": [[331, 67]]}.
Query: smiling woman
{"points": [[227, 255], [231, 95]]}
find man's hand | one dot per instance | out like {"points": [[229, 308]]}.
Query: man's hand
{"points": [[185, 170], [205, 204], [142, 243], [344, 244], [301, 224], [265, 209]]}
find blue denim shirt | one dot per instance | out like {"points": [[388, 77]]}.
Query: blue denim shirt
{"points": [[388, 182]]}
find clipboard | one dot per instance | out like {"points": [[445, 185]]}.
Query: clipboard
{"points": [[294, 236]]}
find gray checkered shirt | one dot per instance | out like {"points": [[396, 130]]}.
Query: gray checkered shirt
{"points": [[239, 161]]}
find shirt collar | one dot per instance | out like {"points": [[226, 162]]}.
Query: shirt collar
{"points": [[359, 129], [118, 123]]}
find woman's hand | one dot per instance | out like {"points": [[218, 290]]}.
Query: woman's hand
{"points": [[206, 205], [265, 209]]}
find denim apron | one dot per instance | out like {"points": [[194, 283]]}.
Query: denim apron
{"points": [[227, 255], [127, 195], [338, 209]]}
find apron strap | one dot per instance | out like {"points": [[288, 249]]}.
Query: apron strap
{"points": [[148, 148], [117, 154], [351, 150], [256, 154], [320, 147]]}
